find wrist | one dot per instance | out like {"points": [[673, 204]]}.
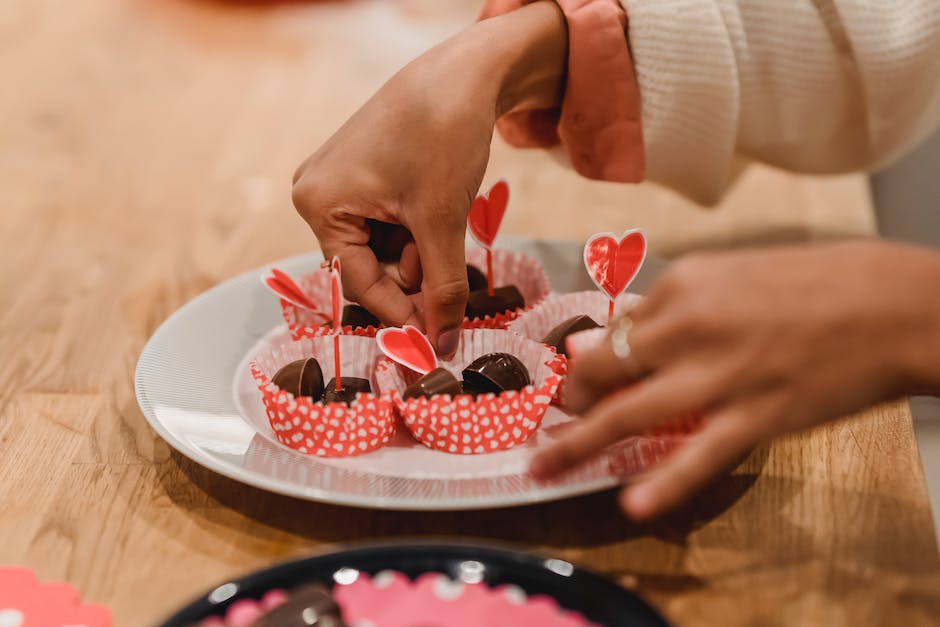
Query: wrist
{"points": [[523, 54], [923, 351]]}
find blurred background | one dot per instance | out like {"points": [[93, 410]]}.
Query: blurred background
{"points": [[119, 113]]}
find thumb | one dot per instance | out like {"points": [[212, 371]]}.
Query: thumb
{"points": [[440, 243]]}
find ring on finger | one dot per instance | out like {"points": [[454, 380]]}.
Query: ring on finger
{"points": [[620, 347]]}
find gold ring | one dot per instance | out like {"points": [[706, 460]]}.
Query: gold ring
{"points": [[620, 337]]}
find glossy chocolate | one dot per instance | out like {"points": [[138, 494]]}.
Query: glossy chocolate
{"points": [[358, 316], [301, 378], [557, 336], [351, 387], [310, 605], [438, 381], [481, 304], [495, 373], [476, 279]]}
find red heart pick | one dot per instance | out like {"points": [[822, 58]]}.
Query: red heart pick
{"points": [[336, 293], [613, 263], [486, 214], [409, 347], [284, 286]]}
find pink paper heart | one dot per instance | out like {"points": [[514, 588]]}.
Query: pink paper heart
{"points": [[409, 347], [486, 214], [336, 293], [613, 263], [285, 287]]}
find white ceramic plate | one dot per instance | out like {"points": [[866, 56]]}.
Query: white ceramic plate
{"points": [[194, 387]]}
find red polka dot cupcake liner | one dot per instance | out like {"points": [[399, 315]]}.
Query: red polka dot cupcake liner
{"points": [[510, 268], [304, 323], [468, 425], [333, 429], [541, 319]]}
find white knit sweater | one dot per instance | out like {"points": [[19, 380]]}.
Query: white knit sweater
{"points": [[819, 86]]}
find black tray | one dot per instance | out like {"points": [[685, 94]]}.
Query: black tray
{"points": [[598, 599]]}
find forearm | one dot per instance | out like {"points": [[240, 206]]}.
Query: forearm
{"points": [[509, 63], [920, 354]]}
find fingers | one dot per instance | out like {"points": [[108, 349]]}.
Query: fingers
{"points": [[595, 374], [440, 245], [366, 282], [627, 412], [726, 438]]}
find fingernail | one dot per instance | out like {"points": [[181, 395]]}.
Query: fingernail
{"points": [[638, 502], [447, 342]]}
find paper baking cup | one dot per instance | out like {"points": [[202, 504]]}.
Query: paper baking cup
{"points": [[304, 323], [467, 425], [536, 323], [331, 430], [510, 268]]}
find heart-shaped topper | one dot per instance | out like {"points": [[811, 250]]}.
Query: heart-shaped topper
{"points": [[336, 293], [409, 347], [486, 214], [285, 287], [613, 263]]}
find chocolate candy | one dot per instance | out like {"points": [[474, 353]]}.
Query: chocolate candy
{"points": [[351, 387], [438, 381], [358, 316], [476, 279], [556, 337], [301, 378], [495, 373], [481, 304], [311, 605]]}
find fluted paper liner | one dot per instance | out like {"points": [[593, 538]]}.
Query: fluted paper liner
{"points": [[304, 323], [536, 323], [541, 319], [326, 430], [509, 268], [489, 422]]}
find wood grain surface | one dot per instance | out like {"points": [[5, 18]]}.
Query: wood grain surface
{"points": [[146, 149]]}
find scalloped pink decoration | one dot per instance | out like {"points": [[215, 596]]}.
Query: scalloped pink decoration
{"points": [[332, 430], [391, 599], [24, 602]]}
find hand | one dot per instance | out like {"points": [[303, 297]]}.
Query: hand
{"points": [[763, 342], [390, 191]]}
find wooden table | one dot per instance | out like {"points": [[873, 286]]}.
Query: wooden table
{"points": [[145, 154]]}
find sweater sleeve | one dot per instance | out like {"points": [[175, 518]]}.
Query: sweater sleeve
{"points": [[816, 86], [598, 124]]}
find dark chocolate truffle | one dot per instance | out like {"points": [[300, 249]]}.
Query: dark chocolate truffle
{"points": [[495, 373], [481, 304], [557, 336], [358, 316], [351, 387], [301, 378], [476, 279], [438, 381], [310, 605]]}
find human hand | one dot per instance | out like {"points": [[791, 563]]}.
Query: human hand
{"points": [[762, 342], [389, 193]]}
